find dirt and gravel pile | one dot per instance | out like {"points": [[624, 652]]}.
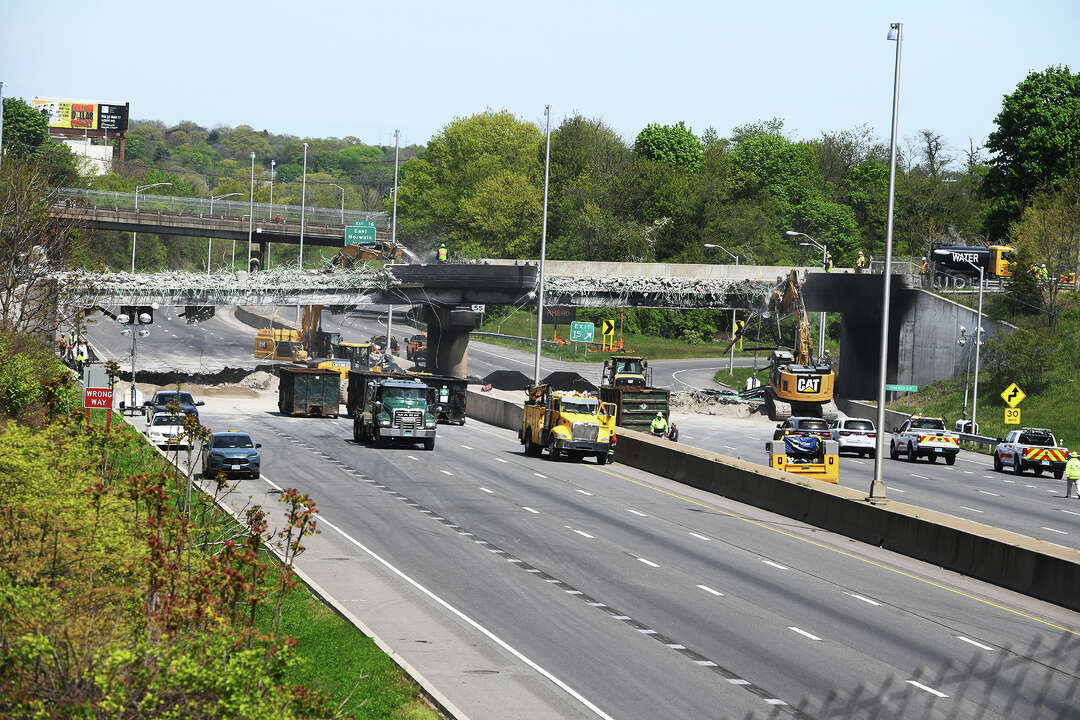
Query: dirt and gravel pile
{"points": [[705, 402]]}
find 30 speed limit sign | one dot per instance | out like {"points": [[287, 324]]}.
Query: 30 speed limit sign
{"points": [[1012, 416]]}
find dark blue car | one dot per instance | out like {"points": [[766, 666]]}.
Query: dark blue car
{"points": [[162, 398], [231, 453]]}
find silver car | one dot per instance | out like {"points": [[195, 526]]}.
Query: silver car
{"points": [[855, 435]]}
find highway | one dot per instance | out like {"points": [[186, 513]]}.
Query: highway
{"points": [[651, 599]]}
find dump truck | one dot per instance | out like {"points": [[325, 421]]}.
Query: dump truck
{"points": [[308, 391], [416, 349], [359, 379], [446, 396], [390, 409], [570, 424], [627, 384]]}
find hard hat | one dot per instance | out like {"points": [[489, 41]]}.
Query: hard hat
{"points": [[1074, 454], [659, 413], [1043, 265], [860, 252]]}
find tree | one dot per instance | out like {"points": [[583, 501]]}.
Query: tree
{"points": [[673, 144], [1036, 143], [25, 130]]}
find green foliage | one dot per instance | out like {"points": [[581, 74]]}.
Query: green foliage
{"points": [[674, 144], [25, 130], [1026, 357], [1036, 143]]}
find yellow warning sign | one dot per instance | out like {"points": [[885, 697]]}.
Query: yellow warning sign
{"points": [[1012, 416], [1013, 396], [740, 325], [609, 327]]}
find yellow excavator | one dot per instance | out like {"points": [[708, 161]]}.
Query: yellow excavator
{"points": [[798, 384], [312, 345], [382, 250]]}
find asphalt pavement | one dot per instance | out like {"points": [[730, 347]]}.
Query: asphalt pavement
{"points": [[651, 599]]}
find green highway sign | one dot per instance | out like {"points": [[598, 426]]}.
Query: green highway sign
{"points": [[902, 388], [581, 331], [362, 232]]}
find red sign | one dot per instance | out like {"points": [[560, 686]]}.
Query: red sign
{"points": [[97, 397]]}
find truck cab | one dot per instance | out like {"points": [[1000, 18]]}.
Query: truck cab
{"points": [[394, 410], [572, 424], [1034, 449], [925, 437], [627, 371]]}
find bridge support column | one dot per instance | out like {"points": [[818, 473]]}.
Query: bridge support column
{"points": [[448, 339], [264, 253]]}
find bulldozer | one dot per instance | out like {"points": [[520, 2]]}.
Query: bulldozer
{"points": [[799, 384]]}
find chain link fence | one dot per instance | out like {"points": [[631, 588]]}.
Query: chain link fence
{"points": [[200, 207]]}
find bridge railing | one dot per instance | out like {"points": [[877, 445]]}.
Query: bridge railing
{"points": [[222, 208]]}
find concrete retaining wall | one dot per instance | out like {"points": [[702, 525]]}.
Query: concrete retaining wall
{"points": [[1033, 567], [866, 411]]}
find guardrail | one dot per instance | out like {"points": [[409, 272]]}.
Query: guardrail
{"points": [[222, 208], [477, 333], [989, 442]]}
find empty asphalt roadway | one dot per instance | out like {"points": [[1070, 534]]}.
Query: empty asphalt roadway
{"points": [[649, 599]]}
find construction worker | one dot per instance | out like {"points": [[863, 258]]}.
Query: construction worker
{"points": [[443, 253], [659, 425], [61, 345], [80, 359], [1044, 275], [1072, 475], [860, 263], [828, 262], [925, 267], [611, 450], [673, 433]]}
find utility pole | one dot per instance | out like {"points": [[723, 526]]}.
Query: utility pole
{"points": [[251, 209], [393, 219], [543, 250], [2, 83]]}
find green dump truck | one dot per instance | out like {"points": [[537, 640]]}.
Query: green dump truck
{"points": [[389, 409], [627, 384], [308, 391]]}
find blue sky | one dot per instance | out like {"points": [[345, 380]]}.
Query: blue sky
{"points": [[362, 68]]}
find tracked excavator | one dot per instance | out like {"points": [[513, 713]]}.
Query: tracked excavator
{"points": [[799, 384]]}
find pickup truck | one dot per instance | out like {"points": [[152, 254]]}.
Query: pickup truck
{"points": [[924, 436], [1033, 449]]}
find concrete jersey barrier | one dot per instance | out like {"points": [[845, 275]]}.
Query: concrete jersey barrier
{"points": [[1018, 562]]}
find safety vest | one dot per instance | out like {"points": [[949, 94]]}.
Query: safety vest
{"points": [[860, 262], [1072, 469], [442, 254], [658, 424]]}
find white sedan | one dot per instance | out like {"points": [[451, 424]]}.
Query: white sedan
{"points": [[167, 432], [855, 435]]}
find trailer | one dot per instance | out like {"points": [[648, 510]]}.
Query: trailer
{"points": [[308, 391], [359, 380], [446, 396]]}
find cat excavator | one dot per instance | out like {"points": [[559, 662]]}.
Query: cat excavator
{"points": [[799, 384]]}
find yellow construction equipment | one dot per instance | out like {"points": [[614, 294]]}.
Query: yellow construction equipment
{"points": [[795, 455]]}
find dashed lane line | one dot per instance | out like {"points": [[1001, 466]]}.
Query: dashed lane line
{"points": [[802, 632], [650, 563], [928, 689], [709, 590], [489, 492], [863, 598], [977, 644], [639, 514], [701, 537], [1061, 532], [778, 566], [499, 460], [965, 507], [923, 477], [529, 509], [447, 472], [584, 492]]}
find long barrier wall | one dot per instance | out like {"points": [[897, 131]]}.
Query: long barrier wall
{"points": [[1033, 567]]}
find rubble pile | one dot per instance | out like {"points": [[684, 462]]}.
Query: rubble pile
{"points": [[663, 292], [714, 402]]}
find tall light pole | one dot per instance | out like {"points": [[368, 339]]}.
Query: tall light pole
{"points": [[877, 486], [962, 341], [138, 188], [824, 263], [209, 241], [721, 247], [2, 83], [393, 218], [342, 201], [543, 249], [303, 200], [978, 344], [251, 209], [273, 164]]}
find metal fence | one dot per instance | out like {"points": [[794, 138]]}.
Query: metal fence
{"points": [[200, 207]]}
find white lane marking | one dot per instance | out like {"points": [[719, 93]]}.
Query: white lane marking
{"points": [[645, 631], [639, 514], [490, 492], [893, 487], [1062, 532], [738, 681], [701, 537], [730, 447], [650, 563], [584, 492], [775, 565], [861, 462], [920, 476], [466, 447], [480, 628], [447, 472], [930, 690], [965, 507], [688, 437], [675, 646], [863, 598], [705, 663], [1030, 486], [774, 701], [597, 604], [987, 492], [584, 534], [499, 460], [802, 632], [540, 476], [620, 617], [573, 592], [529, 509], [972, 642], [708, 589], [968, 472], [1070, 512]]}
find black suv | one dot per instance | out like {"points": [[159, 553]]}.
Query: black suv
{"points": [[162, 398], [803, 426]]}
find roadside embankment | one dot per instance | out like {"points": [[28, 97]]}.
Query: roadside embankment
{"points": [[1018, 562]]}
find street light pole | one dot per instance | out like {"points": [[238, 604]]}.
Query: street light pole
{"points": [[273, 163], [251, 209], [2, 83], [209, 241], [731, 355], [342, 201], [978, 344], [824, 263], [543, 249], [303, 200], [393, 218], [134, 234], [877, 486], [721, 247]]}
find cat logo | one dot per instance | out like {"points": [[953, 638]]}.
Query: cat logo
{"points": [[809, 384]]}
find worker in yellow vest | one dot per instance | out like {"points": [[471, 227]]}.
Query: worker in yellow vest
{"points": [[1072, 475], [442, 253]]}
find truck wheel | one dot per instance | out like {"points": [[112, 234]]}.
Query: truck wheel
{"points": [[911, 456], [1018, 469], [601, 458], [553, 451], [380, 441], [429, 443], [998, 467], [531, 448], [357, 436], [893, 454], [950, 459], [933, 459], [1038, 472], [1058, 474]]}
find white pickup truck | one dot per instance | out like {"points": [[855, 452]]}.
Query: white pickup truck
{"points": [[924, 436], [1031, 449]]}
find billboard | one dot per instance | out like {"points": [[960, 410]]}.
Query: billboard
{"points": [[82, 114]]}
